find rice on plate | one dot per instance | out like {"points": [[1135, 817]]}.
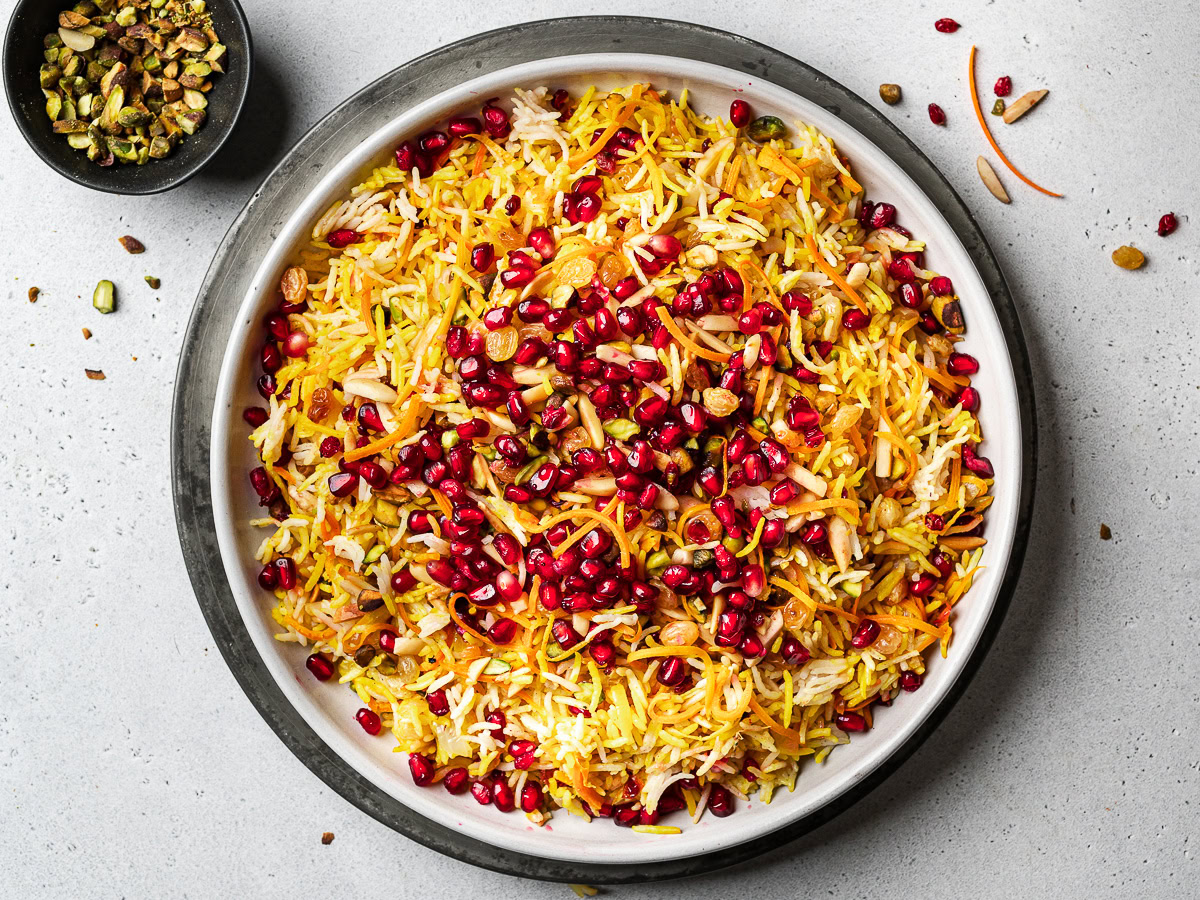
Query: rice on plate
{"points": [[617, 457]]}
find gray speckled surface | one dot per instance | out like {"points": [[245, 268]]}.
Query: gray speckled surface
{"points": [[1072, 758]]}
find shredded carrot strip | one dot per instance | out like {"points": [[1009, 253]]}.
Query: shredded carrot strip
{"points": [[405, 427], [615, 527], [819, 262], [480, 156], [732, 175], [626, 111], [789, 734], [308, 632], [683, 339], [988, 133], [907, 622]]}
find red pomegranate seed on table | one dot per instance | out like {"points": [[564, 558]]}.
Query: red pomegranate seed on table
{"points": [[1003, 86], [1167, 224], [937, 115], [946, 26]]}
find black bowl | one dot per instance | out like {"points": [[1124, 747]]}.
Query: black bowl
{"points": [[33, 19]]}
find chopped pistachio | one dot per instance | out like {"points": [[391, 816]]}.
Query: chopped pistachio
{"points": [[154, 283], [766, 128], [49, 76], [998, 107], [160, 147], [103, 297], [70, 126], [131, 117], [33, 294], [94, 374], [126, 17], [190, 122], [122, 149], [194, 99], [53, 106], [71, 19], [131, 244], [621, 429], [79, 141]]}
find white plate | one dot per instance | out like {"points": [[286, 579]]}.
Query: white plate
{"points": [[329, 708]]}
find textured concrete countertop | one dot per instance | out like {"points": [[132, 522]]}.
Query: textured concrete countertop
{"points": [[131, 765]]}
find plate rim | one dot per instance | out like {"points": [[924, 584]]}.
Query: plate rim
{"points": [[193, 408]]}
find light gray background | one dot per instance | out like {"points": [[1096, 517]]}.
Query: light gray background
{"points": [[131, 765]]}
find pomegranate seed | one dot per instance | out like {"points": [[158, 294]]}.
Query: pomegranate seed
{"points": [[624, 289], [438, 704], [369, 720], [755, 468], [752, 646], [967, 399], [541, 240], [585, 207], [750, 322], [564, 634], [866, 635], [496, 718], [482, 792], [1167, 224], [883, 215], [463, 126], [499, 316], [929, 324], [603, 653], [517, 277], [368, 416], [650, 411], [495, 121], [941, 286], [266, 386], [854, 318], [270, 359], [373, 474], [851, 722], [482, 257], [455, 781], [342, 237], [910, 295], [942, 563], [434, 142], [343, 484], [255, 416], [720, 801], [754, 581], [710, 479], [910, 681], [946, 26], [672, 671], [793, 652], [268, 577], [937, 115], [1003, 86], [503, 631], [978, 465], [922, 584], [739, 113], [664, 246], [531, 797], [320, 667], [784, 492], [794, 301], [387, 640]]}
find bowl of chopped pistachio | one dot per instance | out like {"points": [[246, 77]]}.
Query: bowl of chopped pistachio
{"points": [[127, 96]]}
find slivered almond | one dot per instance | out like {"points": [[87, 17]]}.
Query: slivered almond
{"points": [[1022, 105], [990, 181]]}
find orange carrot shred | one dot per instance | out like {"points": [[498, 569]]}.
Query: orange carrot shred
{"points": [[988, 134]]}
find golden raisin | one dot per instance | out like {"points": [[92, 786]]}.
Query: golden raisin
{"points": [[1128, 257], [294, 284]]}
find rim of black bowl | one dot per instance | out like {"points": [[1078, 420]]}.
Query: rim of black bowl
{"points": [[32, 19], [216, 313]]}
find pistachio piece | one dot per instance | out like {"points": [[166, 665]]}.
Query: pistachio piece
{"points": [[104, 298], [108, 118], [172, 90], [71, 19], [33, 294], [154, 283], [94, 374], [79, 141], [126, 17], [52, 41], [118, 75], [70, 126], [84, 105], [216, 57], [53, 106], [194, 99], [49, 75], [948, 312], [766, 128], [160, 147], [151, 64], [131, 244], [191, 121], [51, 56], [192, 82], [131, 117], [192, 40], [121, 149]]}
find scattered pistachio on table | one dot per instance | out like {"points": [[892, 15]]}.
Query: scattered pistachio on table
{"points": [[87, 334], [1105, 532], [125, 81], [998, 107], [103, 298], [33, 294], [132, 244], [154, 283], [94, 374]]}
